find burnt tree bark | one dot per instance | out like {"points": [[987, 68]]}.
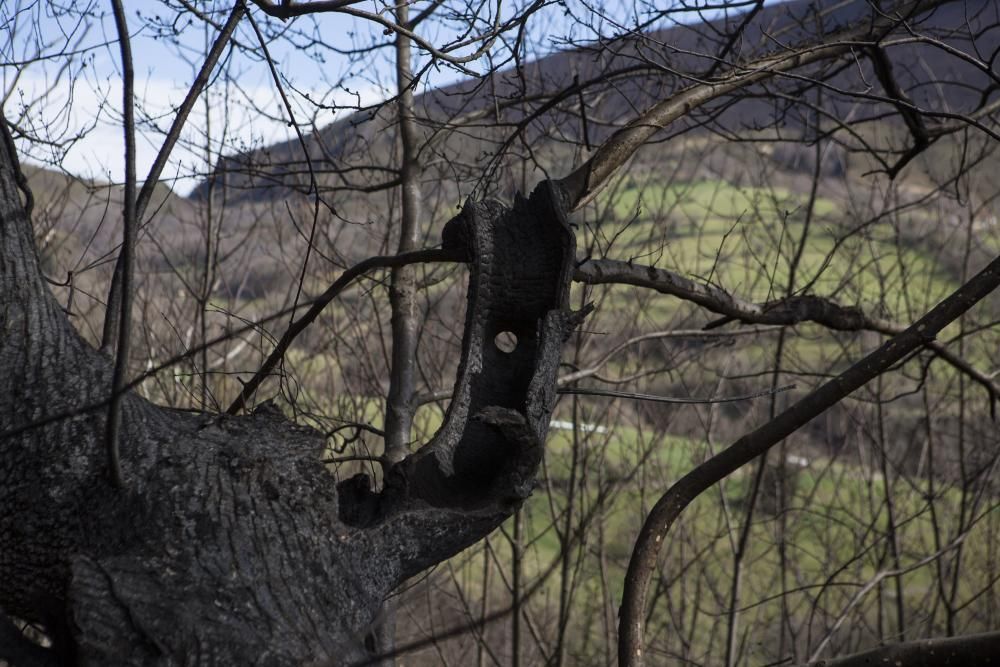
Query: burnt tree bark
{"points": [[231, 543]]}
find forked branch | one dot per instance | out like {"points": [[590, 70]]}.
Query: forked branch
{"points": [[787, 311], [654, 531], [584, 182]]}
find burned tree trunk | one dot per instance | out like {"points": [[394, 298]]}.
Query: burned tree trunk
{"points": [[231, 543]]}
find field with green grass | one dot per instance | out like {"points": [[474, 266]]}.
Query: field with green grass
{"points": [[813, 567], [857, 530]]}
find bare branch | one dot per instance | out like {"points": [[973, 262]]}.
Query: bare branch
{"points": [[964, 650], [588, 179], [129, 224], [321, 302], [682, 400], [697, 334], [787, 311], [288, 9], [153, 177], [672, 503]]}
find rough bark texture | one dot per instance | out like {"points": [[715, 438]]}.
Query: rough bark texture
{"points": [[231, 543]]}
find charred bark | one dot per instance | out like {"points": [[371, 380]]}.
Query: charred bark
{"points": [[231, 543]]}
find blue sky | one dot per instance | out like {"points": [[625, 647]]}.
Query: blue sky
{"points": [[165, 68], [162, 72]]}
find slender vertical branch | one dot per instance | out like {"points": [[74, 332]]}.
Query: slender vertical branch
{"points": [[565, 537], [128, 248], [784, 493], [892, 522], [516, 557], [205, 289], [736, 582], [402, 297], [484, 603], [402, 290]]}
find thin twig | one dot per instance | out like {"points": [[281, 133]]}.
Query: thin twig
{"points": [[345, 279], [654, 531], [160, 162], [577, 391]]}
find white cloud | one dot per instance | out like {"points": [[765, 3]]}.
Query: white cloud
{"points": [[248, 116]]}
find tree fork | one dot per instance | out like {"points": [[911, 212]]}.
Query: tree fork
{"points": [[232, 542]]}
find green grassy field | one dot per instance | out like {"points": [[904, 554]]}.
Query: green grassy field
{"points": [[829, 544], [831, 534], [744, 239]]}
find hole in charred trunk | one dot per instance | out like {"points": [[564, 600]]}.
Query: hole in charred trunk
{"points": [[505, 341]]}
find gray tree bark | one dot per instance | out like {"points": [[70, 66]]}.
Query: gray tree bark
{"points": [[231, 543], [403, 283]]}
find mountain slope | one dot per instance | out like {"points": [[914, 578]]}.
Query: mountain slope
{"points": [[626, 75]]}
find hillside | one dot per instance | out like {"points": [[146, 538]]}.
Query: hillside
{"points": [[621, 77], [874, 522]]}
